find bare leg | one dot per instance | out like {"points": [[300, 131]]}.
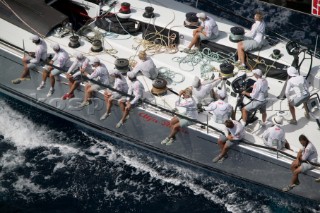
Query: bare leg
{"points": [[86, 91], [224, 151], [292, 111], [295, 177], [241, 52], [174, 129], [74, 86], [52, 80], [264, 117], [45, 74], [194, 40], [122, 105], [109, 105], [125, 114], [244, 114], [25, 72]]}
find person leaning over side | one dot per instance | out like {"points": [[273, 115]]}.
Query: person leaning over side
{"points": [[254, 39], [146, 66], [203, 91], [301, 164], [33, 59], [259, 96], [100, 74], [208, 30], [300, 87], [74, 75], [275, 136], [60, 60], [235, 133], [136, 89], [120, 84]]}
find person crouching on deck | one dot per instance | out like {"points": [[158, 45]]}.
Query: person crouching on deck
{"points": [[136, 89], [146, 66], [208, 30], [188, 104], [234, 136], [61, 61], [74, 75], [34, 59], [100, 74], [301, 164], [254, 39]]}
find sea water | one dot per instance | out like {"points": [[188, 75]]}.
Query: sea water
{"points": [[50, 165]]}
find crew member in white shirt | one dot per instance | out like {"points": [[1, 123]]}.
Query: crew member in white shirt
{"points": [[235, 133], [33, 59], [120, 84], [146, 66], [258, 95], [300, 87], [208, 30], [300, 165], [254, 38], [60, 60], [136, 89], [221, 110], [99, 74], [81, 64], [189, 106], [275, 136], [203, 91]]}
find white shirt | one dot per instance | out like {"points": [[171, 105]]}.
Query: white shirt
{"points": [[40, 53], [221, 111], [274, 133], [299, 86], [61, 58], [210, 27], [310, 153], [136, 89], [121, 85], [190, 105], [237, 131], [257, 31], [260, 90], [147, 67], [201, 92], [100, 74], [77, 64]]}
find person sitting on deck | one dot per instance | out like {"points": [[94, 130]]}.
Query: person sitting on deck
{"points": [[254, 39], [136, 89], [220, 109], [34, 59], [208, 30], [146, 66], [189, 107], [301, 163], [203, 91], [258, 95], [235, 134], [81, 63], [61, 61], [299, 85], [120, 84], [275, 136], [100, 74]]}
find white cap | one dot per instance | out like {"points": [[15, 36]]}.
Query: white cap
{"points": [[55, 47], [114, 72], [79, 56], [34, 38], [277, 120], [196, 82], [221, 93], [257, 72], [131, 74], [201, 15], [292, 71], [95, 60]]}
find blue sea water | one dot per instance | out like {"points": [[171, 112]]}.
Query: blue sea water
{"points": [[50, 165]]}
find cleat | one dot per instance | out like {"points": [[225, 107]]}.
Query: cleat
{"points": [[71, 95], [104, 116], [170, 141], [119, 124], [166, 140], [41, 86], [65, 96], [294, 122], [51, 91]]}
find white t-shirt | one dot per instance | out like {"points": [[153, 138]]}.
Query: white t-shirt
{"points": [[101, 74], [136, 89], [221, 111], [190, 105], [61, 58], [147, 67], [257, 31], [274, 133], [260, 90], [210, 27], [120, 84], [310, 153], [201, 92], [237, 131], [40, 53], [299, 86], [77, 64]]}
